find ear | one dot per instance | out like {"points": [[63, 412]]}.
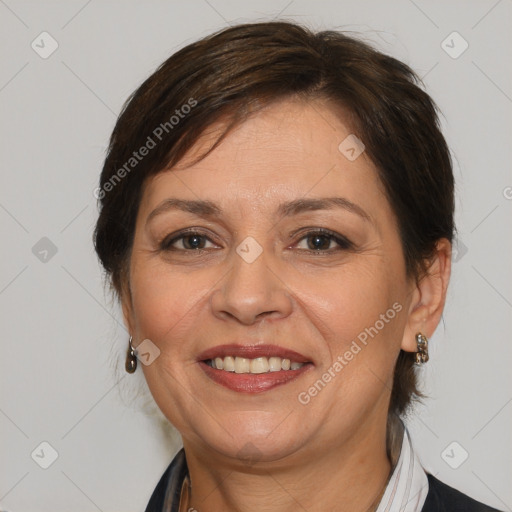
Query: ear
{"points": [[428, 297]]}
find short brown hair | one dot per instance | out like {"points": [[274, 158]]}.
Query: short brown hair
{"points": [[233, 73]]}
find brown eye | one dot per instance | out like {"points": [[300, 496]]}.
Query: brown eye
{"points": [[193, 241], [190, 241], [324, 241], [316, 242]]}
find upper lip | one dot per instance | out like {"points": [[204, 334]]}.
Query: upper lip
{"points": [[252, 352]]}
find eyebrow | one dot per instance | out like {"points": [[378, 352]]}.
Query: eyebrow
{"points": [[205, 208], [197, 207], [324, 203]]}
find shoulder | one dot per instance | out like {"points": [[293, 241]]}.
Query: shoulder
{"points": [[443, 498]]}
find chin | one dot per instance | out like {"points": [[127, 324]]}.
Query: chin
{"points": [[255, 441]]}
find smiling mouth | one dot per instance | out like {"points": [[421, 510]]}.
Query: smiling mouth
{"points": [[249, 368], [257, 365], [244, 381]]}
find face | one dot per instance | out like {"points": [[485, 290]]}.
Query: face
{"points": [[280, 248]]}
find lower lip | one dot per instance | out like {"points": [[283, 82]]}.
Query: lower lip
{"points": [[253, 382]]}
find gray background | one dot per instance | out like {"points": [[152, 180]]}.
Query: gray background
{"points": [[62, 336]]}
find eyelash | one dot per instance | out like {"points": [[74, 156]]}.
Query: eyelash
{"points": [[343, 242]]}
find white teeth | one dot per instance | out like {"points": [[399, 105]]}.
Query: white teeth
{"points": [[257, 365], [274, 364], [242, 365], [229, 364]]}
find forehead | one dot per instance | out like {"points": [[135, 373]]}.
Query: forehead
{"points": [[293, 128], [290, 148]]}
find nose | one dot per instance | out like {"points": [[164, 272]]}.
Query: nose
{"points": [[251, 291]]}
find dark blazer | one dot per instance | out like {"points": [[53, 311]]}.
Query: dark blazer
{"points": [[443, 498], [440, 497]]}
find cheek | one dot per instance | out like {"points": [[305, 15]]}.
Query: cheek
{"points": [[360, 315], [166, 303], [348, 302]]}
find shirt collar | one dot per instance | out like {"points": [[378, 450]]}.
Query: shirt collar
{"points": [[407, 487]]}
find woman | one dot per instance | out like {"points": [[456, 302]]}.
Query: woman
{"points": [[276, 219]]}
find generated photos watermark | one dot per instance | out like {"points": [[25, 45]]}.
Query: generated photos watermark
{"points": [[157, 135], [355, 347]]}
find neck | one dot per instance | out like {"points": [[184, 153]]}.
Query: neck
{"points": [[349, 476]]}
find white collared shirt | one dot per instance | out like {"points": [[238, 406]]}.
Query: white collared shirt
{"points": [[407, 488]]}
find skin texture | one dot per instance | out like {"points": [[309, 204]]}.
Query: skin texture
{"points": [[329, 454]]}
